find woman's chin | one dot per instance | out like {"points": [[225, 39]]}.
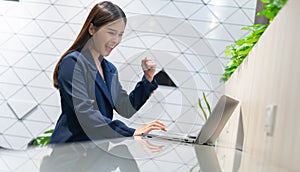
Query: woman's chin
{"points": [[106, 53]]}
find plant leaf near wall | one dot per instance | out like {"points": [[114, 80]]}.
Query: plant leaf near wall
{"points": [[241, 48]]}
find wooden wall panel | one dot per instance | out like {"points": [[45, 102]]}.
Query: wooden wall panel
{"points": [[270, 75]]}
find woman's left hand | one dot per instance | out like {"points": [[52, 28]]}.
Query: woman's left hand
{"points": [[146, 128], [148, 66]]}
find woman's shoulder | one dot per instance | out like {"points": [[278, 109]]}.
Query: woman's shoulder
{"points": [[69, 61], [72, 56]]}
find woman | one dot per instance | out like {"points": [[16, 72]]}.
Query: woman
{"points": [[89, 86]]}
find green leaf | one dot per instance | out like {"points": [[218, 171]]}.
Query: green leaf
{"points": [[44, 139], [206, 102], [265, 1], [228, 52], [240, 42], [202, 109], [49, 131]]}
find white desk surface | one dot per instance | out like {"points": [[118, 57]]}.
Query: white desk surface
{"points": [[124, 154]]}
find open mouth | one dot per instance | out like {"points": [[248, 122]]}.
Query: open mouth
{"points": [[108, 49]]}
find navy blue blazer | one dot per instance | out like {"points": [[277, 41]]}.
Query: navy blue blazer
{"points": [[87, 101]]}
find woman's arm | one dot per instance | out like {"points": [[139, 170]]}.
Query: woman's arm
{"points": [[127, 105]]}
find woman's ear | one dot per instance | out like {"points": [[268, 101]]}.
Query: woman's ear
{"points": [[91, 29]]}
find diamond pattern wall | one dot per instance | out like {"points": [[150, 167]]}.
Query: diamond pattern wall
{"points": [[187, 39]]}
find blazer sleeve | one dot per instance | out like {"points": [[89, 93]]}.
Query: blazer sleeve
{"points": [[128, 104], [73, 87]]}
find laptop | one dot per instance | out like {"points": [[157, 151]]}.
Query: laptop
{"points": [[212, 127]]}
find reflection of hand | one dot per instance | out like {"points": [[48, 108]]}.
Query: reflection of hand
{"points": [[148, 67], [146, 128], [152, 148]]}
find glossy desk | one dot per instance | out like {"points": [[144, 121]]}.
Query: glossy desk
{"points": [[124, 154]]}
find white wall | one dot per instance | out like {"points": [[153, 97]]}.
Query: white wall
{"points": [[186, 38]]}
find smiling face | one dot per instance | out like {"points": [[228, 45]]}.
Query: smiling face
{"points": [[106, 38]]}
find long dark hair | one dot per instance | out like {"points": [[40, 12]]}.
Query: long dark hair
{"points": [[100, 15]]}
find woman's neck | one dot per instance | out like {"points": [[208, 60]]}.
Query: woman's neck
{"points": [[96, 56], [93, 51]]}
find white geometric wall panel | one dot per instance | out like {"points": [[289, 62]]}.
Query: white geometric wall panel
{"points": [[187, 39]]}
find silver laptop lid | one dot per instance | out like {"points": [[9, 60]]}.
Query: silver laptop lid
{"points": [[217, 120]]}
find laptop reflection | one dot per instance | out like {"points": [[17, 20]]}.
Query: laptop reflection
{"points": [[209, 162]]}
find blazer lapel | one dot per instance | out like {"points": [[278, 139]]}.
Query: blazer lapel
{"points": [[104, 88], [98, 79], [108, 74]]}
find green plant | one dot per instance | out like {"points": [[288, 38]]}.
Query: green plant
{"points": [[271, 8], [201, 107], [44, 139], [240, 49]]}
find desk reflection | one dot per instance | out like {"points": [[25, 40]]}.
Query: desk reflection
{"points": [[124, 154], [89, 157]]}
